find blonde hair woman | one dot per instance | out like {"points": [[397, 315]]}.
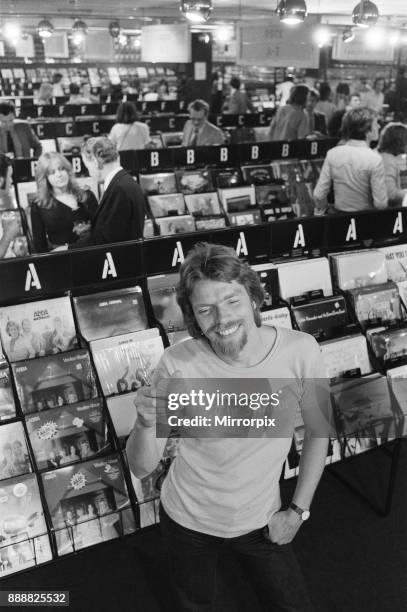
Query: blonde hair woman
{"points": [[62, 211]]}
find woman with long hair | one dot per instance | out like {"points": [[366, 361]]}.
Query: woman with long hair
{"points": [[62, 211], [290, 121], [129, 133], [392, 145]]}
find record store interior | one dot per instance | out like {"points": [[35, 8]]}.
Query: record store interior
{"points": [[193, 190]]}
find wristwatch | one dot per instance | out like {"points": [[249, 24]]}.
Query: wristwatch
{"points": [[303, 514]]}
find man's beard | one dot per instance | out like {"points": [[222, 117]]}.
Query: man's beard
{"points": [[229, 347]]}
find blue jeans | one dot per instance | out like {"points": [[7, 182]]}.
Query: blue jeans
{"points": [[272, 569]]}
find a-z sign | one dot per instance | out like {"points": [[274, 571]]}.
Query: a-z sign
{"points": [[40, 276]]}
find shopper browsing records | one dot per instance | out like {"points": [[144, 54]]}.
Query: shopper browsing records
{"points": [[129, 133], [223, 492], [62, 211], [316, 120], [16, 137], [290, 121], [392, 145], [325, 104], [355, 170], [238, 101], [198, 131], [120, 214]]}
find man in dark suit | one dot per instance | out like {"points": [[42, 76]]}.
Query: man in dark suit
{"points": [[198, 131], [120, 214], [316, 121], [16, 137]]}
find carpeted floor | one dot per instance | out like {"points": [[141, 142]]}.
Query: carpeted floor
{"points": [[353, 560]]}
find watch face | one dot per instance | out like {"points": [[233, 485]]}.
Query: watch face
{"points": [[305, 515]]}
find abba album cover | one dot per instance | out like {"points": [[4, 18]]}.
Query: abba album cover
{"points": [[156, 184], [88, 503], [125, 363], [167, 205], [65, 435], [7, 403], [162, 290], [203, 204], [38, 328], [110, 313], [176, 225], [13, 241], [14, 457], [24, 537], [54, 380], [193, 181], [323, 319]]}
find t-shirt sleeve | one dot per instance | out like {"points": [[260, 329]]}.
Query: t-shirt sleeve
{"points": [[315, 401]]}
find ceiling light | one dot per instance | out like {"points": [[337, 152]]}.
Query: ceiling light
{"points": [[322, 36], [11, 32], [196, 11], [292, 12], [114, 29], [79, 31], [45, 29], [137, 42], [375, 38], [348, 35], [224, 34], [365, 14], [122, 40]]}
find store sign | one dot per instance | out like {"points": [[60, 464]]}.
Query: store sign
{"points": [[358, 51], [271, 43]]}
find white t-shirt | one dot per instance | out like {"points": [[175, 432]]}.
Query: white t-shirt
{"points": [[129, 136], [226, 487]]}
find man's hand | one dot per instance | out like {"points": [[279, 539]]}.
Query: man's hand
{"points": [[149, 399], [283, 526]]}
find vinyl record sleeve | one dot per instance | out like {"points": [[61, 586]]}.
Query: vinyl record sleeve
{"points": [[396, 262], [237, 198], [110, 313], [345, 354], [167, 205], [155, 184], [245, 217], [123, 412], [11, 232], [378, 302], [39, 328], [277, 317], [7, 403], [88, 503], [203, 204], [261, 174], [125, 363], [209, 223], [24, 536], [14, 457], [162, 290], [54, 380], [298, 277], [172, 139], [359, 269], [194, 181], [268, 276], [226, 178], [65, 435], [389, 344], [176, 225], [323, 319]]}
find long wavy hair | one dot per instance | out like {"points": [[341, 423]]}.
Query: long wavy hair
{"points": [[219, 263], [45, 192]]}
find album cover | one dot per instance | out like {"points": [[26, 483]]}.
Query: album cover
{"points": [[24, 537], [389, 344], [345, 355], [277, 317], [54, 380], [226, 178], [237, 199], [194, 181], [70, 145], [26, 193], [323, 319], [7, 403], [363, 408], [290, 173], [244, 217], [176, 225], [14, 458], [68, 434], [123, 412], [268, 276], [203, 204], [359, 269], [125, 363], [158, 184], [396, 262], [39, 328], [209, 223], [13, 242], [167, 205], [110, 313], [378, 303], [88, 503], [258, 175], [299, 277], [172, 139], [162, 290]]}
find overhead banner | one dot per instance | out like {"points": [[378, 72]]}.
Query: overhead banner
{"points": [[166, 43], [271, 43], [358, 51]]}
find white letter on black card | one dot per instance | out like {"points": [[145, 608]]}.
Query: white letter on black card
{"points": [[32, 280], [154, 159], [109, 269], [241, 248], [299, 239], [351, 233], [398, 224], [178, 256]]}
